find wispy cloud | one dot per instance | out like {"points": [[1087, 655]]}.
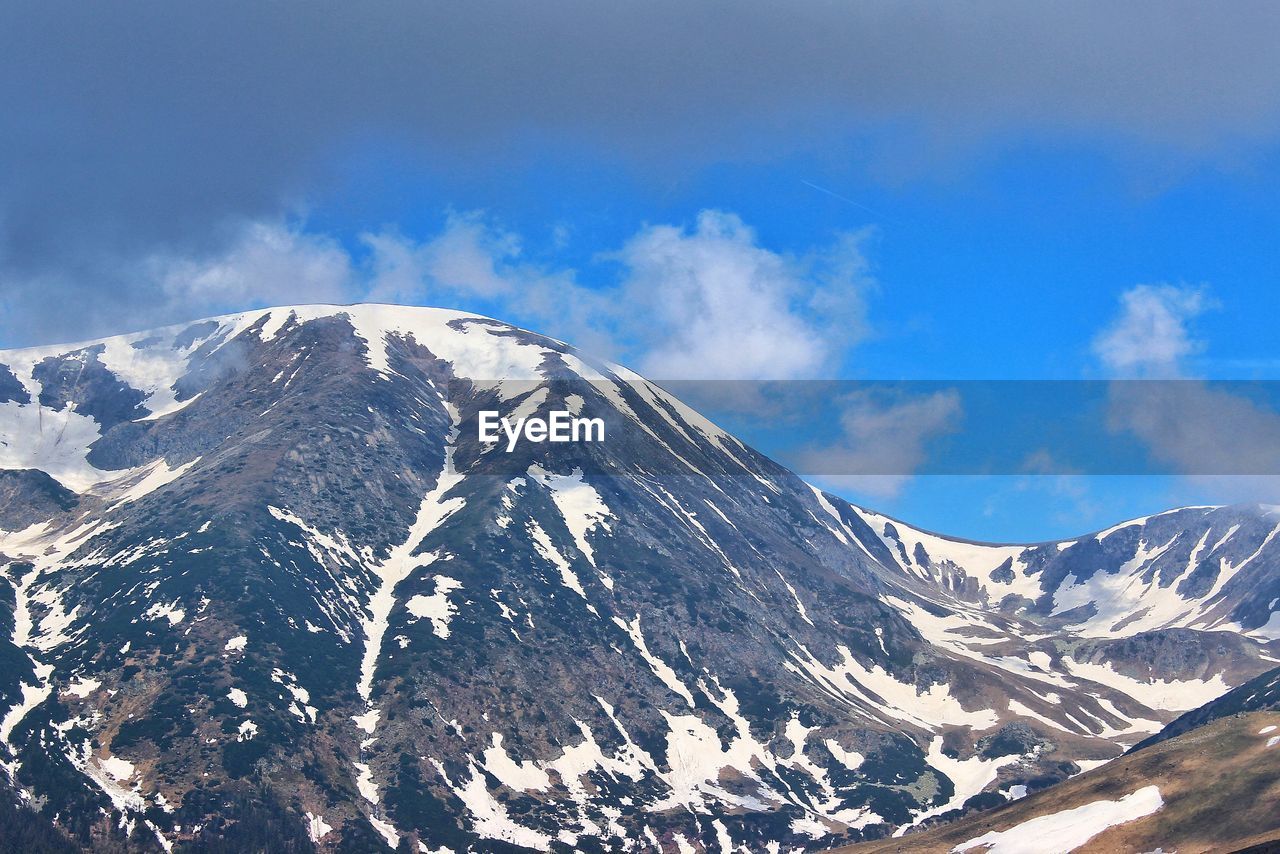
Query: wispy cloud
{"points": [[269, 262], [469, 257]]}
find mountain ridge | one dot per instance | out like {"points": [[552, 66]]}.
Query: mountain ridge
{"points": [[299, 584]]}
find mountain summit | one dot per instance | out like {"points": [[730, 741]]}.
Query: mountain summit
{"points": [[264, 587]]}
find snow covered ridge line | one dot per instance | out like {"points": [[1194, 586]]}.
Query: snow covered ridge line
{"points": [[798, 423], [1069, 829], [57, 402]]}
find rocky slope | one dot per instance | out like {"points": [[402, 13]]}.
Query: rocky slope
{"points": [[263, 587]]}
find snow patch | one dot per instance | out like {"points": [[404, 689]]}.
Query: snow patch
{"points": [[875, 688], [1067, 830], [402, 560], [317, 827], [437, 608], [368, 721], [491, 819], [659, 667], [1171, 695], [117, 769], [83, 687], [364, 783], [580, 505], [968, 776], [170, 612]]}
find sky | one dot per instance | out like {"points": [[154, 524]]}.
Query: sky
{"points": [[882, 191]]}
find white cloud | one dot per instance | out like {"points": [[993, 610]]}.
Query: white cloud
{"points": [[1151, 337], [468, 257], [269, 263], [706, 301], [468, 262], [703, 303], [1204, 430], [711, 303]]}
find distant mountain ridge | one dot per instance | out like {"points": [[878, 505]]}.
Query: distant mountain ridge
{"points": [[262, 584]]}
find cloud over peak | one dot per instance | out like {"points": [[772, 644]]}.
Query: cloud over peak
{"points": [[704, 301]]}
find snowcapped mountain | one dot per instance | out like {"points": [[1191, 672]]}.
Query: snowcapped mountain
{"points": [[1162, 609], [263, 586], [1207, 568]]}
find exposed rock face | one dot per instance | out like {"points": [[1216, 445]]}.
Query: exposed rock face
{"points": [[28, 496], [263, 585]]}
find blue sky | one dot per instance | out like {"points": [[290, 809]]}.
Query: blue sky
{"points": [[1004, 268], [871, 191], [1009, 267]]}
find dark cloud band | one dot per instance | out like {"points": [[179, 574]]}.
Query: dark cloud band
{"points": [[127, 126]]}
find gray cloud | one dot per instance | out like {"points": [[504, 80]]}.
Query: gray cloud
{"points": [[879, 435], [130, 126]]}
